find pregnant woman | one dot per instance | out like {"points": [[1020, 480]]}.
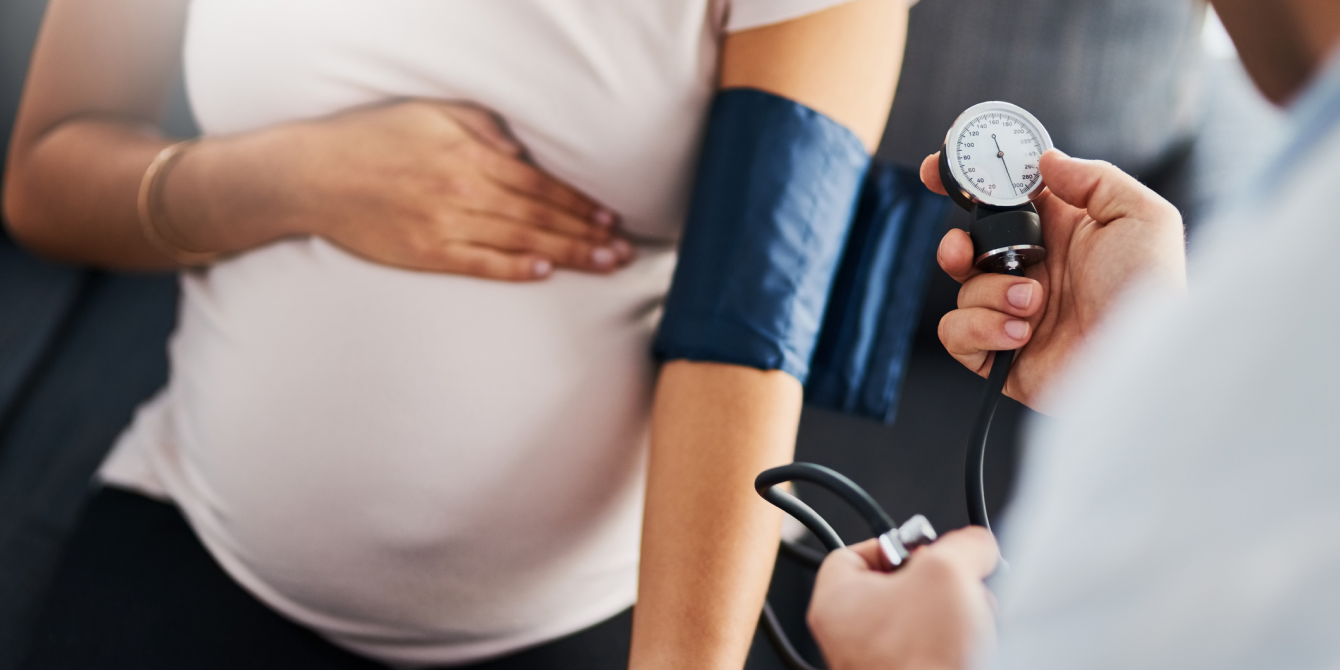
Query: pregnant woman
{"points": [[412, 407]]}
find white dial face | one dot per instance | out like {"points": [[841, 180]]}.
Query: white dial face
{"points": [[993, 150]]}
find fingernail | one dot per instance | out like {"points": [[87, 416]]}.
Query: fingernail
{"points": [[1020, 295], [1016, 329], [542, 267], [602, 257], [623, 249], [603, 218]]}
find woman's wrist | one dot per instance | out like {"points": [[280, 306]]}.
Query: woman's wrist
{"points": [[154, 223], [224, 195]]}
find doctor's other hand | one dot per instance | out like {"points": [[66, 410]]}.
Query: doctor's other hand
{"points": [[933, 614], [1102, 229], [418, 184]]}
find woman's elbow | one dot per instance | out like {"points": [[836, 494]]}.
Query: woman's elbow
{"points": [[19, 213], [27, 221]]}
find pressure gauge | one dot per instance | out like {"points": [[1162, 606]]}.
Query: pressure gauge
{"points": [[989, 166], [991, 152]]}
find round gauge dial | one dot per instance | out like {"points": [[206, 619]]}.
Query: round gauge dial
{"points": [[992, 152]]}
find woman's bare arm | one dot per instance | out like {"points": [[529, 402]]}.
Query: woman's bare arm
{"points": [[708, 541], [843, 62], [421, 184], [85, 131]]}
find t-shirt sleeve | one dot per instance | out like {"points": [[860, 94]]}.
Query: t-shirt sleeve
{"points": [[746, 14]]}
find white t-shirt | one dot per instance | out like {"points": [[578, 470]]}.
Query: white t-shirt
{"points": [[430, 468], [1180, 512]]}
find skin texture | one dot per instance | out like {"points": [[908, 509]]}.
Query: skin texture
{"points": [[1101, 229], [459, 194], [708, 541], [883, 628], [843, 62], [451, 190]]}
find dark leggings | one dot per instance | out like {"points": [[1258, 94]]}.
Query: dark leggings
{"points": [[136, 589]]}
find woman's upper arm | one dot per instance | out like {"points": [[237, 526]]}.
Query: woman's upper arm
{"points": [[842, 61], [113, 58]]}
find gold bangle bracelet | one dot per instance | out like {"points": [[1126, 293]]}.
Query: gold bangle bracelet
{"points": [[149, 200]]}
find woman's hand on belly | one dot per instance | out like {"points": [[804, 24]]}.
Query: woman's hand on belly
{"points": [[425, 185]]}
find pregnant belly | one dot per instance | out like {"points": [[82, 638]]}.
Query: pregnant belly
{"points": [[409, 436]]}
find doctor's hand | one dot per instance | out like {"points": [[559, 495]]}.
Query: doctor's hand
{"points": [[932, 614], [1102, 229]]}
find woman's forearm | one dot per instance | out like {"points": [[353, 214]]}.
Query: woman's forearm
{"points": [[85, 136], [708, 540], [75, 195]]}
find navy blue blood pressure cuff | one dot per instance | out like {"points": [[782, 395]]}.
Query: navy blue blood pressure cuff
{"points": [[775, 192], [871, 321], [775, 205]]}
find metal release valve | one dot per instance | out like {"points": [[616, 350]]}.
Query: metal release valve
{"points": [[897, 544]]}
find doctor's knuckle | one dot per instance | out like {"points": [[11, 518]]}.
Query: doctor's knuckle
{"points": [[952, 333], [935, 568], [979, 330]]}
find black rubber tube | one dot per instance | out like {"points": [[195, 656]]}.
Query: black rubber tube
{"points": [[804, 514], [780, 642], [848, 490], [975, 463], [766, 485], [804, 555]]}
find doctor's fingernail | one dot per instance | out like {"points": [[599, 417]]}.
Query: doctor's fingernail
{"points": [[623, 249], [1020, 295], [1016, 329], [542, 267], [602, 257], [603, 218]]}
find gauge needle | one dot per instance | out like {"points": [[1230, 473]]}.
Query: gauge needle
{"points": [[1000, 153]]}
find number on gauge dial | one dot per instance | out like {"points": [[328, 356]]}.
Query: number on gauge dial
{"points": [[997, 155]]}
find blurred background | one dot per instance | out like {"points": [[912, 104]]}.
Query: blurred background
{"points": [[1152, 85]]}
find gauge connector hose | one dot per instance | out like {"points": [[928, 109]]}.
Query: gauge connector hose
{"points": [[831, 480]]}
